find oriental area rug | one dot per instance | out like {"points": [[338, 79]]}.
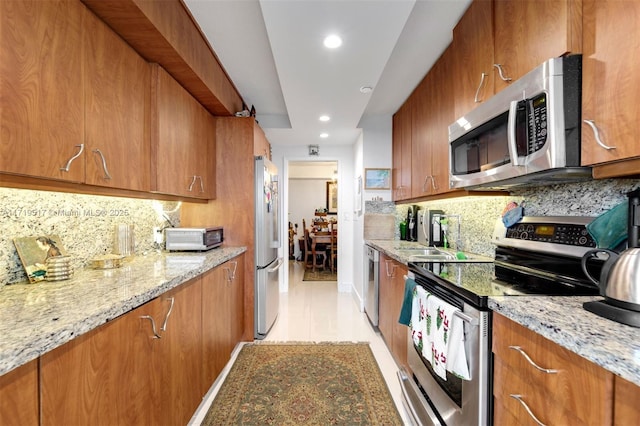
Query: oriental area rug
{"points": [[304, 384], [319, 275]]}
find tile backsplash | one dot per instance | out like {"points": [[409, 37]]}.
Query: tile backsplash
{"points": [[479, 213], [84, 223]]}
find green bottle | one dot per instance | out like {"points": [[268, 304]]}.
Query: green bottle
{"points": [[403, 230]]}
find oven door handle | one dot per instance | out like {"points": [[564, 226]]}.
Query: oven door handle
{"points": [[426, 416], [466, 318]]}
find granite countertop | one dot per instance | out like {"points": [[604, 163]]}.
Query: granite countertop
{"points": [[36, 318], [561, 319]]}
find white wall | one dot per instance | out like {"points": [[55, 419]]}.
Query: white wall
{"points": [[281, 155]]}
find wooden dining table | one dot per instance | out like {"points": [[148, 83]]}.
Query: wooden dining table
{"points": [[318, 237]]}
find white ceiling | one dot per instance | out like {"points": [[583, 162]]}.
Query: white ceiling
{"points": [[272, 50]]}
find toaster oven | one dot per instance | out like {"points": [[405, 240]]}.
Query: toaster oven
{"points": [[193, 239]]}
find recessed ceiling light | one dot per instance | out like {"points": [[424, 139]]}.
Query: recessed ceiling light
{"points": [[324, 135], [366, 89], [324, 118], [332, 41]]}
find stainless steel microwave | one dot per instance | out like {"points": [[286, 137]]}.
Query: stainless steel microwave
{"points": [[527, 134], [193, 239]]}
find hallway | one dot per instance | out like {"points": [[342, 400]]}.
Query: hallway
{"points": [[315, 311]]}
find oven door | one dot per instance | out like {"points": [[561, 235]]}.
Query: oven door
{"points": [[453, 401]]}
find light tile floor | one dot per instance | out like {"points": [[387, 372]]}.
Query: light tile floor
{"points": [[316, 311]]}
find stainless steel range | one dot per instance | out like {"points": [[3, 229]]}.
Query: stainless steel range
{"points": [[538, 255]]}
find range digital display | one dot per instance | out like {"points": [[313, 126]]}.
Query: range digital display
{"points": [[546, 230]]}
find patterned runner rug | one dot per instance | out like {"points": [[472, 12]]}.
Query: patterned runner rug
{"points": [[319, 275], [304, 384]]}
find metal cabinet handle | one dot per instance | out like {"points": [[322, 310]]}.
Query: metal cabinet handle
{"points": [[153, 326], [433, 183], [500, 72], [193, 181], [596, 134], [524, 354], [201, 184], [104, 163], [166, 318], [393, 269], [66, 167], [526, 407], [482, 79], [231, 273]]}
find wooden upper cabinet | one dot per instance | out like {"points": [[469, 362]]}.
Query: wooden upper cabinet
{"points": [[402, 133], [117, 102], [529, 32], [261, 147], [182, 140], [610, 86], [41, 88], [432, 115], [473, 57]]}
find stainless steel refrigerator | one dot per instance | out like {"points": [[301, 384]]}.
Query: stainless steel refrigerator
{"points": [[267, 243]]}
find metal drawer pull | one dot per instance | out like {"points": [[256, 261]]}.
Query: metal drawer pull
{"points": [[104, 163], [596, 134], [526, 407], [476, 100], [499, 66], [201, 184], [524, 354], [166, 318], [153, 326], [66, 167]]}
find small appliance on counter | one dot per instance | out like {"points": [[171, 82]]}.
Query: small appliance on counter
{"points": [[620, 275], [193, 239], [412, 223], [429, 231]]}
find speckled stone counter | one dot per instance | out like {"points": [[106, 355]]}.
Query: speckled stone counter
{"points": [[563, 320], [36, 318]]}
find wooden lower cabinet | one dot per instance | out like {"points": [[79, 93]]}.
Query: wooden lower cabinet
{"points": [[222, 316], [121, 373], [626, 403], [19, 396], [577, 392], [391, 295]]}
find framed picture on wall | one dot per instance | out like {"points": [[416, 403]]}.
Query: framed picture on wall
{"points": [[377, 178], [332, 197]]}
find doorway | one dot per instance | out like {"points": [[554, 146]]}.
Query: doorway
{"points": [[312, 186]]}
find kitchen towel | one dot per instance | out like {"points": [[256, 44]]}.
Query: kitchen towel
{"points": [[445, 334], [407, 302], [610, 228], [419, 317]]}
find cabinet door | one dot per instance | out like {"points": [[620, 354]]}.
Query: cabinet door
{"points": [[261, 144], [177, 362], [41, 88], [610, 85], [19, 396], [421, 176], [400, 331], [402, 134], [529, 32], [118, 86], [473, 62], [177, 132], [104, 376], [626, 409], [215, 323], [385, 299]]}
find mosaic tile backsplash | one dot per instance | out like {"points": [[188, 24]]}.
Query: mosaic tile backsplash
{"points": [[479, 213], [84, 223]]}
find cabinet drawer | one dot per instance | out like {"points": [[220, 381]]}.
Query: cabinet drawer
{"points": [[581, 391]]}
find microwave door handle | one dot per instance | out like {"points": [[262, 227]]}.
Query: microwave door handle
{"points": [[511, 134]]}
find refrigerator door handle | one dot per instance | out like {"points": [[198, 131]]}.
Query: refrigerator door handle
{"points": [[278, 265]]}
